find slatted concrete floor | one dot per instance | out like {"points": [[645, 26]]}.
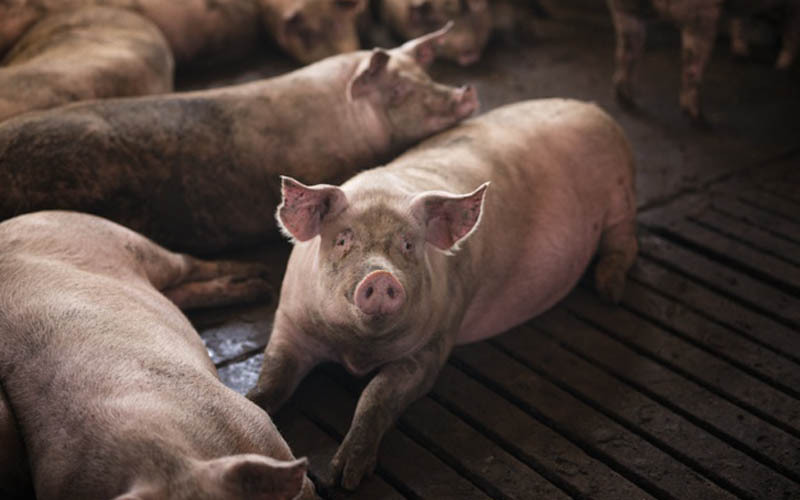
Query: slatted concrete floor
{"points": [[690, 389]]}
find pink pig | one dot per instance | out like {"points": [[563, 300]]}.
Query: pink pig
{"points": [[472, 232]]}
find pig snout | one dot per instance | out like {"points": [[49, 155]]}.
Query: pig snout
{"points": [[379, 293], [466, 100]]}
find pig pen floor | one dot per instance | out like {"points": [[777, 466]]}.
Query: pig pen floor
{"points": [[689, 389]]}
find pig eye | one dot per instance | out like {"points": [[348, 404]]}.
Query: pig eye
{"points": [[343, 241], [408, 246]]}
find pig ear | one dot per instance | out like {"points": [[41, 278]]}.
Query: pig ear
{"points": [[449, 219], [366, 79], [261, 477], [304, 208], [423, 49]]}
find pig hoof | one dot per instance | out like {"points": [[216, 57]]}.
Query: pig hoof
{"points": [[609, 281], [350, 465]]}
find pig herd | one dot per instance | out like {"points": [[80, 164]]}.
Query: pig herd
{"points": [[470, 227]]}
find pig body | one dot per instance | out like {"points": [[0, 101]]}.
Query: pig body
{"points": [[697, 21], [111, 388], [198, 171], [405, 266], [84, 54]]}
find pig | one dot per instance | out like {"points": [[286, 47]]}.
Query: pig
{"points": [[196, 30], [84, 54], [468, 234], [310, 30], [698, 22], [112, 390], [474, 22], [197, 171]]}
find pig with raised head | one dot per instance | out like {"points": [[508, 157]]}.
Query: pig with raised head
{"points": [[698, 23], [198, 171], [112, 390], [461, 238], [84, 54]]}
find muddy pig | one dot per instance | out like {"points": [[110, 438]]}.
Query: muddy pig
{"points": [[474, 22], [698, 22], [461, 238], [310, 30], [84, 54], [112, 390], [198, 171]]}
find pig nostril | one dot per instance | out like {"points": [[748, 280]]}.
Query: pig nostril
{"points": [[390, 292], [369, 292]]}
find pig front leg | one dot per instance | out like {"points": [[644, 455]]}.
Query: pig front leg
{"points": [[388, 394], [288, 358], [221, 283]]}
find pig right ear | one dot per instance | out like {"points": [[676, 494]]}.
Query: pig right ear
{"points": [[366, 80], [423, 49], [448, 218], [304, 208]]}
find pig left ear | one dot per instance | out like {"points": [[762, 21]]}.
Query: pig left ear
{"points": [[423, 49], [304, 208], [449, 219], [367, 79]]}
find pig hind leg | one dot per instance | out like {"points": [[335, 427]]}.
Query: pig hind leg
{"points": [[615, 255], [210, 284], [697, 40], [631, 33]]}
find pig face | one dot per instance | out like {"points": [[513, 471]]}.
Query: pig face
{"points": [[371, 261], [411, 103], [471, 29], [229, 478], [310, 30]]}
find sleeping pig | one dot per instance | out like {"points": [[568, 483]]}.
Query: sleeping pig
{"points": [[111, 389], [461, 238], [197, 171]]}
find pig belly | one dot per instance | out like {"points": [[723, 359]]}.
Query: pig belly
{"points": [[531, 287]]}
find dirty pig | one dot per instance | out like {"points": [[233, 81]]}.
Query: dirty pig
{"points": [[110, 387], [461, 238], [198, 171]]}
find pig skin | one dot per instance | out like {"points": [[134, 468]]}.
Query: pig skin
{"points": [[561, 189]]}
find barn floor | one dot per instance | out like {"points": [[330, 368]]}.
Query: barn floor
{"points": [[690, 389]]}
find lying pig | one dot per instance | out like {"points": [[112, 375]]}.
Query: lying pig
{"points": [[84, 54], [111, 387], [198, 171], [310, 30], [697, 20], [403, 262], [474, 21], [196, 30]]}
